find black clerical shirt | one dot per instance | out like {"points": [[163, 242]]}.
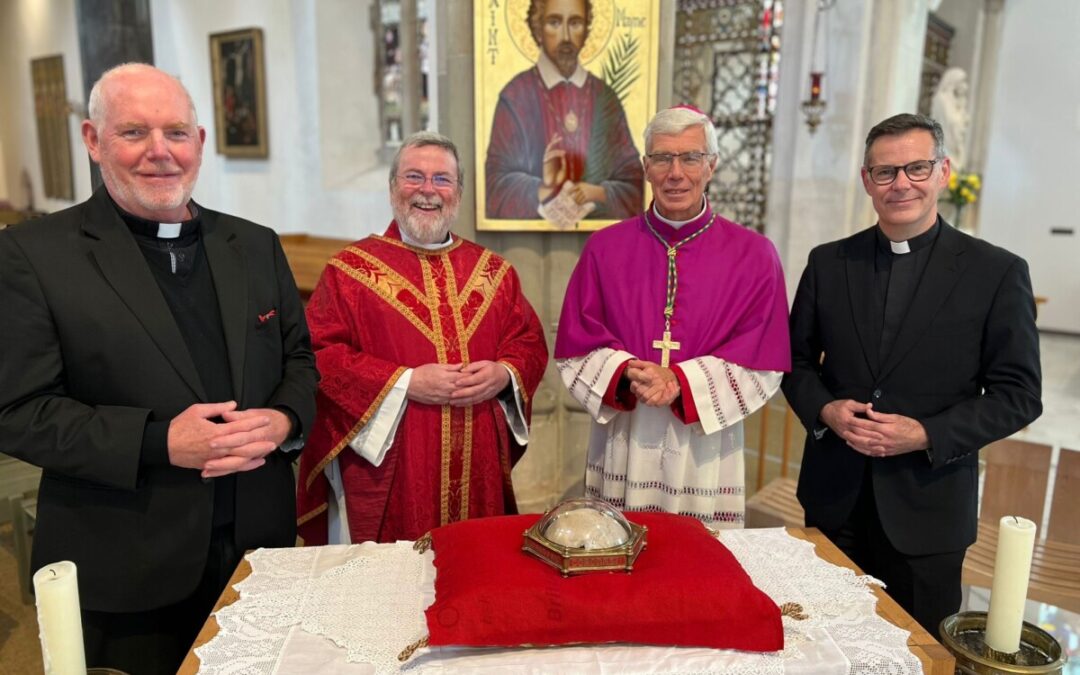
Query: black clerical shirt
{"points": [[896, 277], [182, 273]]}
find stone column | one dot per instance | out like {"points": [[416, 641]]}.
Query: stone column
{"points": [[874, 58], [993, 18], [409, 34], [348, 107], [537, 476], [993, 22]]}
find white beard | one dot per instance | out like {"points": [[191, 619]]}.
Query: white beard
{"points": [[150, 200], [425, 228]]}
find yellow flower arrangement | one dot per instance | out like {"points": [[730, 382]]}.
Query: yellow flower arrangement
{"points": [[963, 188]]}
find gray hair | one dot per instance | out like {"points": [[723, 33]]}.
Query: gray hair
{"points": [[677, 120], [97, 107], [901, 124], [422, 139]]}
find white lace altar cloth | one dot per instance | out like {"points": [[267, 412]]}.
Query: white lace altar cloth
{"points": [[351, 609]]}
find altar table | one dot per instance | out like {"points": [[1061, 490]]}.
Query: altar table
{"points": [[852, 625]]}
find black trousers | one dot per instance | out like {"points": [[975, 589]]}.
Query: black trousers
{"points": [[156, 641], [926, 586]]}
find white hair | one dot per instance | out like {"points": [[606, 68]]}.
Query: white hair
{"points": [[677, 120]]}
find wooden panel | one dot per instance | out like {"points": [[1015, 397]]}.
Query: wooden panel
{"points": [[307, 257], [1055, 569], [775, 505], [16, 479], [1016, 477], [54, 137], [23, 519], [1016, 481], [1064, 525], [774, 440]]}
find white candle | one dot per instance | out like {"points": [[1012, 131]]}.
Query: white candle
{"points": [[1012, 566], [59, 620]]}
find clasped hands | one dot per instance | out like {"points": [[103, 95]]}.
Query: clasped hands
{"points": [[457, 384], [652, 384], [240, 442], [872, 433]]}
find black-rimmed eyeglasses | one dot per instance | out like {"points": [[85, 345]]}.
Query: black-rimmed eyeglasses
{"points": [[916, 171]]}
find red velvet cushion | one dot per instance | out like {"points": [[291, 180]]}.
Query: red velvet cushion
{"points": [[686, 589]]}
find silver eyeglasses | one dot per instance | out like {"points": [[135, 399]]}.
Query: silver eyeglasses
{"points": [[916, 171], [439, 181], [689, 160]]}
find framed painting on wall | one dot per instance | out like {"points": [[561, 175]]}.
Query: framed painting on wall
{"points": [[239, 77], [564, 89], [51, 115]]}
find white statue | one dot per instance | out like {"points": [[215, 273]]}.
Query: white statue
{"points": [[949, 108]]}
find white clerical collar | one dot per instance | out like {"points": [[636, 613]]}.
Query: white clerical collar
{"points": [[427, 247], [169, 230], [679, 223], [550, 75], [900, 246]]}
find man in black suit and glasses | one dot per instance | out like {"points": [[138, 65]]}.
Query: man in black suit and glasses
{"points": [[913, 346]]}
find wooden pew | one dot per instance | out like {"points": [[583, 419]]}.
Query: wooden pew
{"points": [[775, 504], [1017, 479], [307, 257]]}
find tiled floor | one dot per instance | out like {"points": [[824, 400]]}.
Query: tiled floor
{"points": [[1060, 421], [1059, 426]]}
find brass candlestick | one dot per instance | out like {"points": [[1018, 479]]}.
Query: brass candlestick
{"points": [[964, 635]]}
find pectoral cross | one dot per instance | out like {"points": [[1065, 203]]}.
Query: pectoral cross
{"points": [[666, 346]]}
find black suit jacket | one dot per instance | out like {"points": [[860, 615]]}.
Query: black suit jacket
{"points": [[965, 364], [91, 352]]}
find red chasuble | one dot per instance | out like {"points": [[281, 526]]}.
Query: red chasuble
{"points": [[380, 307]]}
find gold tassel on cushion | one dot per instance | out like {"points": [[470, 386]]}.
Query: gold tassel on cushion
{"points": [[423, 544], [407, 653]]}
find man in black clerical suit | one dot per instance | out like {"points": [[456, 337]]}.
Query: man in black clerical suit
{"points": [[913, 346], [157, 367]]}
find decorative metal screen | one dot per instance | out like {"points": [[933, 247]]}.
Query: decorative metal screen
{"points": [[386, 22], [939, 37], [727, 55]]}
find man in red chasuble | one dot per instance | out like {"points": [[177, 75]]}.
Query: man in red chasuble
{"points": [[430, 355], [558, 126]]}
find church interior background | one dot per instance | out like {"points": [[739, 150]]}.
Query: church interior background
{"points": [[347, 79]]}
